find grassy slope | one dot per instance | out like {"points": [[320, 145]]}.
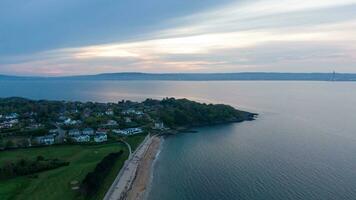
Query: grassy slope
{"points": [[55, 184], [135, 140]]}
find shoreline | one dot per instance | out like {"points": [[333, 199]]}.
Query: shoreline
{"points": [[141, 184]]}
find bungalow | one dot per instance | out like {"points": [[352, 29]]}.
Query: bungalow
{"points": [[45, 140], [74, 133], [88, 131], [100, 138], [128, 131], [81, 138]]}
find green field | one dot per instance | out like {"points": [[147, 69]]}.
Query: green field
{"points": [[58, 183]]}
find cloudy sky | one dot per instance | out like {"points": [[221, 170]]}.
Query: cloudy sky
{"points": [[70, 37]]}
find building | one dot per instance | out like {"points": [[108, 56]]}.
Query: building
{"points": [[9, 123], [12, 116], [45, 140], [159, 125], [53, 131], [81, 138], [100, 137], [128, 120], [69, 121], [101, 131], [74, 133], [88, 131], [128, 131], [132, 111], [109, 112], [111, 123], [34, 126]]}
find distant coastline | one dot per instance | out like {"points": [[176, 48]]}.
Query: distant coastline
{"points": [[243, 76]]}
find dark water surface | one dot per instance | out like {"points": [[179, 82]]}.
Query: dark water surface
{"points": [[302, 146]]}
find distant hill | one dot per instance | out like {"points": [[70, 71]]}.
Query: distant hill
{"points": [[6, 77], [246, 76]]}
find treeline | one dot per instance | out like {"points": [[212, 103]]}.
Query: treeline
{"points": [[93, 180], [24, 167], [183, 112]]}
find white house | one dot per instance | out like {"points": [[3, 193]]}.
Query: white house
{"points": [[88, 131], [128, 120], [100, 138], [159, 125], [109, 112], [81, 138], [9, 123], [12, 116], [53, 131], [69, 121], [132, 111], [111, 123], [45, 140], [128, 131], [74, 132]]}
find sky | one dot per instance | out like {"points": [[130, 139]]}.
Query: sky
{"points": [[75, 37]]}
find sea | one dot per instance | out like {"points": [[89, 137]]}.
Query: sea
{"points": [[301, 146]]}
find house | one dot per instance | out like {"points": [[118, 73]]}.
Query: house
{"points": [[86, 112], [111, 123], [53, 131], [5, 125], [14, 121], [101, 131], [45, 140], [128, 131], [128, 120], [159, 125], [9, 123], [81, 138], [132, 111], [109, 112], [34, 126], [88, 131], [12, 116], [62, 118], [74, 132], [69, 121], [100, 137]]}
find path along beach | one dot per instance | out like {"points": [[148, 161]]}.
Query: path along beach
{"points": [[133, 179]]}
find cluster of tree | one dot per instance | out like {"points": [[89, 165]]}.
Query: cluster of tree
{"points": [[93, 180], [172, 112], [185, 113], [24, 167]]}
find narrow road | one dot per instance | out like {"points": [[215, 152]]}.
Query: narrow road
{"points": [[128, 146]]}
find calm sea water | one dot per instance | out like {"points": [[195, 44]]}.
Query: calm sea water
{"points": [[302, 146]]}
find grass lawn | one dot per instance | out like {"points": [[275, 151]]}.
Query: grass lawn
{"points": [[135, 140], [56, 183]]}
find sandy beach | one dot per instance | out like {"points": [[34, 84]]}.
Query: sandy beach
{"points": [[141, 181]]}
